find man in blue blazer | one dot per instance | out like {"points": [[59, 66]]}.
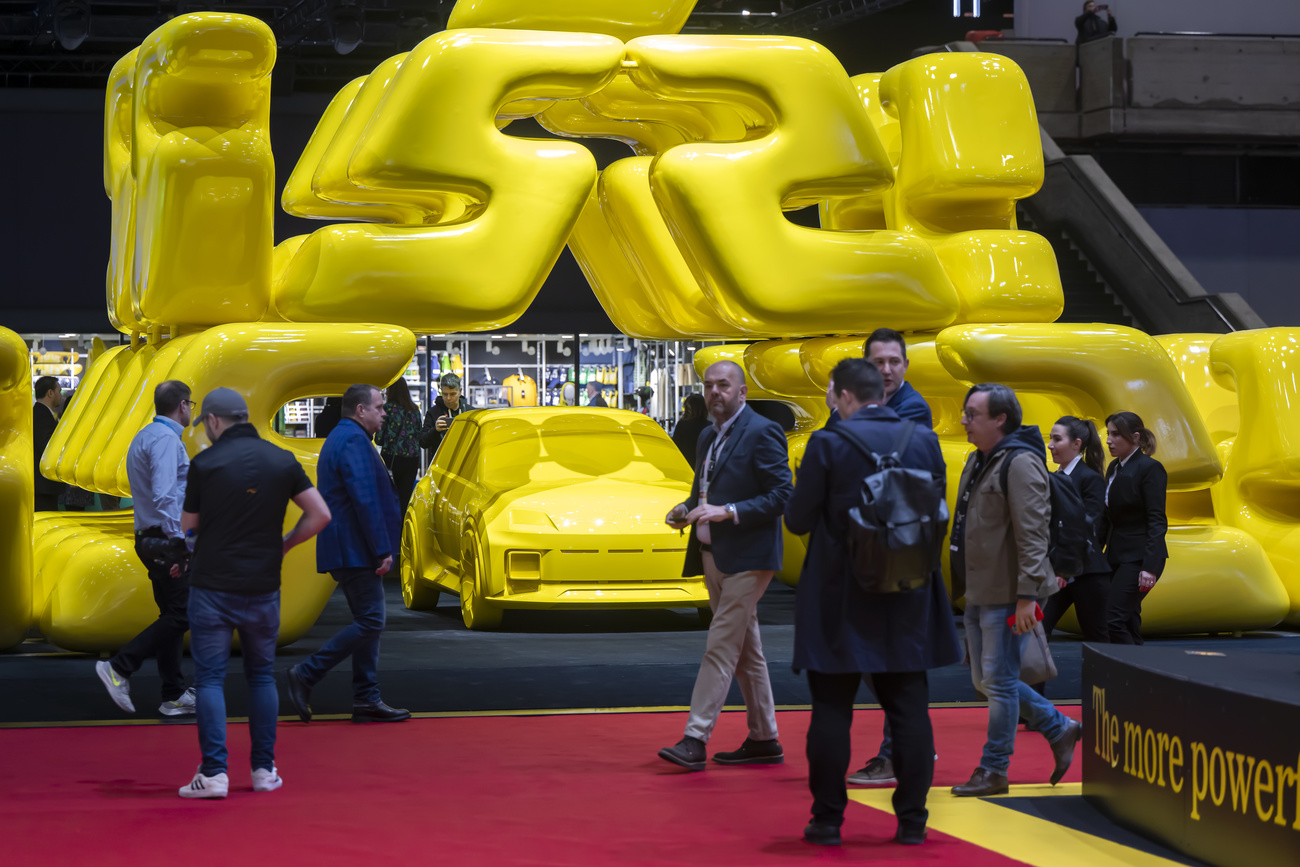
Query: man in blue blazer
{"points": [[742, 480], [842, 632], [357, 549]]}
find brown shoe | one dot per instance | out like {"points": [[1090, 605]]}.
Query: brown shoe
{"points": [[1063, 750], [982, 783]]}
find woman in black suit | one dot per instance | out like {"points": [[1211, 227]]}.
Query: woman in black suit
{"points": [[1076, 449], [1135, 508], [689, 427]]}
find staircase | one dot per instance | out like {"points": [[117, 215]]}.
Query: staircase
{"points": [[1087, 297]]}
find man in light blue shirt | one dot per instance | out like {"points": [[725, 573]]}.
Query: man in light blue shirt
{"points": [[157, 465]]}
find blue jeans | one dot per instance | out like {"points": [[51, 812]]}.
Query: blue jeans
{"points": [[214, 616], [359, 639], [995, 671]]}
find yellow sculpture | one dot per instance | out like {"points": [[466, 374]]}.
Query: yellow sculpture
{"points": [[549, 508], [17, 480], [455, 225]]}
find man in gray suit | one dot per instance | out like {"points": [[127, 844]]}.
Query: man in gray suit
{"points": [[742, 482]]}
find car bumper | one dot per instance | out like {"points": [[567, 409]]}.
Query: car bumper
{"points": [[681, 594]]}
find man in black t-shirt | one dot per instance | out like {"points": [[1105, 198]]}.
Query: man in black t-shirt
{"points": [[235, 501]]}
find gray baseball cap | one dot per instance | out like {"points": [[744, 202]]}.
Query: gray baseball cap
{"points": [[221, 402]]}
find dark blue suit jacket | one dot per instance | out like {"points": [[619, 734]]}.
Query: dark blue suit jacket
{"points": [[366, 520], [906, 402], [839, 628], [752, 472]]}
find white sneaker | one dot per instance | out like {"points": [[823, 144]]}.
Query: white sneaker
{"points": [[267, 781], [206, 787], [119, 687], [179, 707]]}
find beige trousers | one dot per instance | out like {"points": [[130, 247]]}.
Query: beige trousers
{"points": [[734, 649]]}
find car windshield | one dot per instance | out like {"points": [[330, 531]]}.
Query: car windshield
{"points": [[561, 448]]}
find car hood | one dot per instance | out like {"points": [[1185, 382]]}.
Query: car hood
{"points": [[597, 507]]}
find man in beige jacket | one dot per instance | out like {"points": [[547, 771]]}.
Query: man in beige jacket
{"points": [[999, 549]]}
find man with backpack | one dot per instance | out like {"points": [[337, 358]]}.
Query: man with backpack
{"points": [[1001, 549], [868, 604]]}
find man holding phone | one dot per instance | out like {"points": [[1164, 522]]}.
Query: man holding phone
{"points": [[999, 560], [438, 419], [1089, 25]]}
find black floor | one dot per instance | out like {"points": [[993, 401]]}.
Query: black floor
{"points": [[539, 660]]}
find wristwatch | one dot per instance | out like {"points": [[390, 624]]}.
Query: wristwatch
{"points": [[731, 509]]}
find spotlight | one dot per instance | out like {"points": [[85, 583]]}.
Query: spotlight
{"points": [[71, 23], [347, 26]]}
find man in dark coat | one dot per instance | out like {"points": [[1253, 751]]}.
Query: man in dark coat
{"points": [[1089, 27], [742, 480], [44, 420], [450, 403], [887, 350], [357, 548], [843, 632]]}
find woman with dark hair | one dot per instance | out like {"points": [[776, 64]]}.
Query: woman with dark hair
{"points": [[695, 418], [399, 439], [1135, 508], [1076, 449]]}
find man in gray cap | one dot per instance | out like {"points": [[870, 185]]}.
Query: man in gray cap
{"points": [[236, 497]]}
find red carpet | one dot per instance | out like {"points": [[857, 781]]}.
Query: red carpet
{"points": [[562, 790]]}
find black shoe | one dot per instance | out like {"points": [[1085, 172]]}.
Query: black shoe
{"points": [[378, 712], [689, 753], [299, 693], [982, 783], [1063, 750], [753, 752], [910, 836], [822, 835]]}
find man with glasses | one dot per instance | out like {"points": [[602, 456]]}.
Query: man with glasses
{"points": [[156, 465], [437, 420]]}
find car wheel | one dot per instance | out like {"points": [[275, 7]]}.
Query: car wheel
{"points": [[705, 614], [474, 609], [417, 594]]}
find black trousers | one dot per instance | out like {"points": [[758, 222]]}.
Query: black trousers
{"points": [[1124, 605], [905, 697], [164, 639], [47, 502], [403, 468], [1090, 595]]}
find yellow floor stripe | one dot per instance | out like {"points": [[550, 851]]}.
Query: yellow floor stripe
{"points": [[1018, 835], [454, 714]]}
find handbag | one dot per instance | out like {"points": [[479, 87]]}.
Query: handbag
{"points": [[1036, 663]]}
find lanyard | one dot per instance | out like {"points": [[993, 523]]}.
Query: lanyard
{"points": [[709, 458]]}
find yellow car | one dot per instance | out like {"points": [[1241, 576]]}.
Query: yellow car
{"points": [[549, 508]]}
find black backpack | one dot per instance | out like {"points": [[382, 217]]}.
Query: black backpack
{"points": [[1068, 543], [895, 536]]}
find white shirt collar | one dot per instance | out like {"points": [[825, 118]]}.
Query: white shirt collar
{"points": [[1125, 461], [1069, 468]]}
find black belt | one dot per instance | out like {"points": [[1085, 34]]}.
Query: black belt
{"points": [[705, 546]]}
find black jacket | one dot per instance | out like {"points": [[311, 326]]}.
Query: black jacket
{"points": [[839, 628], [752, 472], [43, 425], [687, 434], [430, 436], [1089, 27], [1135, 508], [1092, 488]]}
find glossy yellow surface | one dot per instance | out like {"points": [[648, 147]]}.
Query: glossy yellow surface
{"points": [[482, 271], [549, 508], [16, 489], [119, 184], [765, 275], [1260, 492], [1092, 371], [623, 19], [204, 175], [93, 593]]}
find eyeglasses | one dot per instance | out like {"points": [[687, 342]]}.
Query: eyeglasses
{"points": [[969, 416], [190, 402]]}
